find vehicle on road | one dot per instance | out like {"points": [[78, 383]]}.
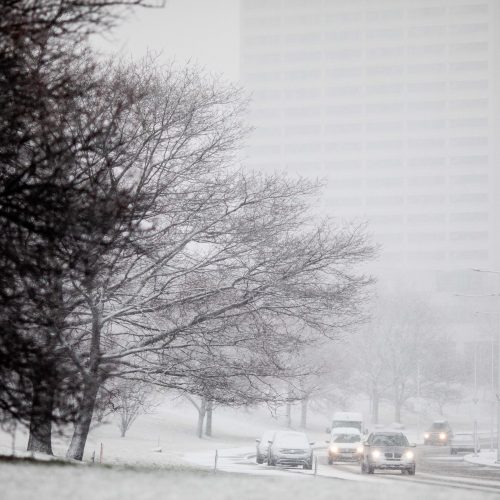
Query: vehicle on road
{"points": [[439, 433], [345, 445], [290, 449], [263, 446], [388, 450], [463, 443], [342, 419]]}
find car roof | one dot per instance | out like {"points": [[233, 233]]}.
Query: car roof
{"points": [[286, 434], [388, 432]]}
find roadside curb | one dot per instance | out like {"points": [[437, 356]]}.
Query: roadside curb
{"points": [[484, 458]]}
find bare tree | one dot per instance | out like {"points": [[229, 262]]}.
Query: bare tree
{"points": [[142, 253], [400, 340], [132, 400], [216, 260], [443, 377], [411, 327], [370, 375], [45, 72], [201, 407]]}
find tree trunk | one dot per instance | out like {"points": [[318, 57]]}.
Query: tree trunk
{"points": [[40, 439], [289, 415], [397, 411], [208, 424], [123, 425], [202, 410], [86, 410], [82, 424], [13, 436], [375, 404], [303, 412]]}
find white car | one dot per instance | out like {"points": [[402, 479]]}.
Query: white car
{"points": [[345, 444], [290, 448], [263, 446]]}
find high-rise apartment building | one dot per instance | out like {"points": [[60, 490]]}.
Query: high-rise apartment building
{"points": [[396, 103]]}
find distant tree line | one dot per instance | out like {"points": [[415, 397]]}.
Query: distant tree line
{"points": [[133, 249], [402, 355]]}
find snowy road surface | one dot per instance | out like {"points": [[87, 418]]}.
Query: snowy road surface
{"points": [[435, 468]]}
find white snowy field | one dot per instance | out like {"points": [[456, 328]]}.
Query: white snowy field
{"points": [[171, 427], [58, 482], [133, 468]]}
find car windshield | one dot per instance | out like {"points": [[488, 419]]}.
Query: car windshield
{"points": [[389, 440], [292, 440], [439, 425], [346, 423], [346, 438]]}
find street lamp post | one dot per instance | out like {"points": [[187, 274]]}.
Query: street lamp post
{"points": [[498, 397], [498, 372], [475, 400], [492, 379]]}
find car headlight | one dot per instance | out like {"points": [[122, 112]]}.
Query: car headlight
{"points": [[334, 449], [359, 449], [442, 436], [409, 455], [376, 454], [427, 435]]}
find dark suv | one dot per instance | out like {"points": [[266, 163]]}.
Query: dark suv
{"points": [[439, 433], [388, 450]]}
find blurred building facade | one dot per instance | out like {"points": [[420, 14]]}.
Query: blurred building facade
{"points": [[396, 103]]}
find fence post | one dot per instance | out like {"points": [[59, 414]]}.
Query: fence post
{"points": [[93, 456], [215, 461], [101, 454], [315, 466]]}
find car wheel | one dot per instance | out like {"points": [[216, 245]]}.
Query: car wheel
{"points": [[411, 471], [371, 469], [363, 468], [330, 460], [308, 465], [260, 460]]}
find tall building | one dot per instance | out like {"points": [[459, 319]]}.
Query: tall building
{"points": [[396, 103]]}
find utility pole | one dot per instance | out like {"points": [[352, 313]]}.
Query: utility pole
{"points": [[497, 394], [418, 400], [492, 422], [475, 399]]}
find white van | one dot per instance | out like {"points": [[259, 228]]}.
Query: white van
{"points": [[342, 419]]}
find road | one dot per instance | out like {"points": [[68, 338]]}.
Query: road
{"points": [[435, 466]]}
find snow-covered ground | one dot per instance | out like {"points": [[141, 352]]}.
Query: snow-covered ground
{"points": [[486, 458], [133, 468], [50, 482], [172, 427]]}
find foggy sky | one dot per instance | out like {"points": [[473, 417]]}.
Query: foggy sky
{"points": [[202, 32]]}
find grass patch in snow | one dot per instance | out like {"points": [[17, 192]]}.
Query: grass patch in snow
{"points": [[23, 480]]}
